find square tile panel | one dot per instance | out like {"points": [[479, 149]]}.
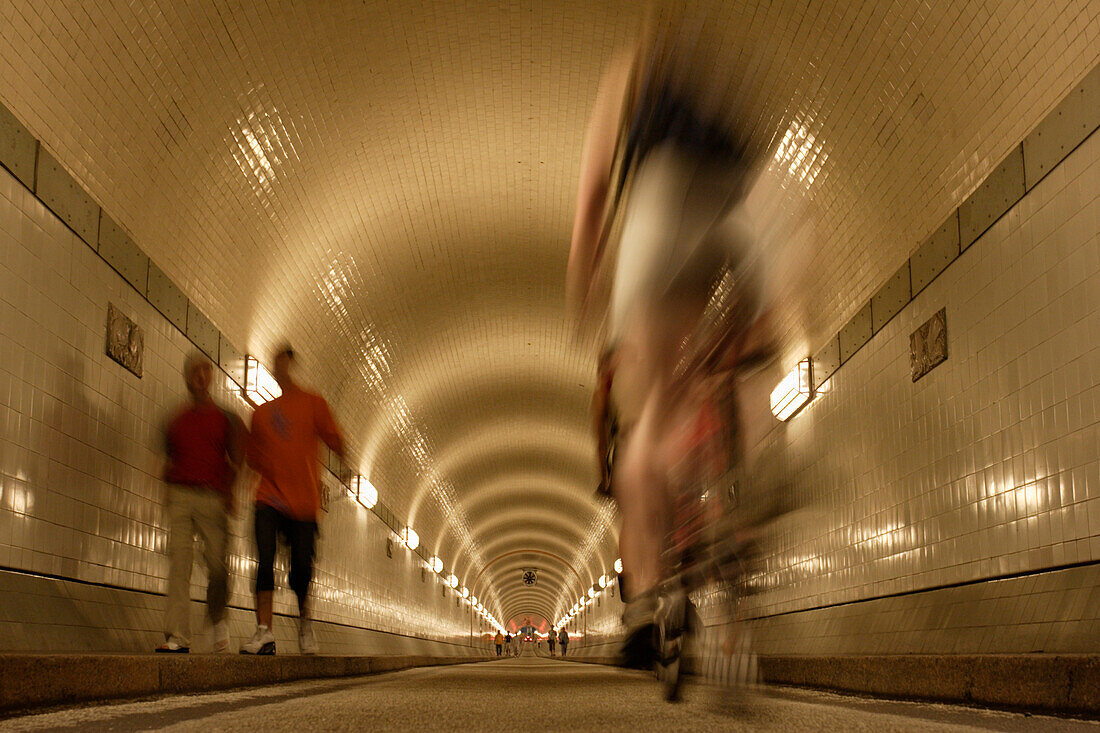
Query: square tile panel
{"points": [[1002, 189], [202, 332], [167, 298], [1063, 129], [232, 361], [120, 252], [67, 198], [935, 253], [18, 148], [855, 333], [826, 361], [890, 298]]}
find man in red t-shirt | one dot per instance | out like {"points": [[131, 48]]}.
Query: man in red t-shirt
{"points": [[204, 444], [286, 435]]}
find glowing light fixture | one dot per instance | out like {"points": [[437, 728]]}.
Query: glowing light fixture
{"points": [[435, 564], [452, 580], [619, 565], [259, 385], [364, 490], [603, 581], [410, 538], [465, 592], [473, 601], [792, 394]]}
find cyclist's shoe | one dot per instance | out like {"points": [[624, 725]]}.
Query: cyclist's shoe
{"points": [[639, 651], [262, 642]]}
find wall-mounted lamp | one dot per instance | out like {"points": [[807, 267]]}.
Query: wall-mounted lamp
{"points": [[603, 581], [410, 538], [452, 580], [465, 592], [435, 564], [259, 385], [618, 565], [792, 394], [364, 491]]}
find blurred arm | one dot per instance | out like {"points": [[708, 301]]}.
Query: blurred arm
{"points": [[327, 429], [597, 157]]}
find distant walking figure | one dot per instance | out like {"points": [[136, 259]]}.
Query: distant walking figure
{"points": [[499, 641], [550, 640], [563, 639], [204, 445]]}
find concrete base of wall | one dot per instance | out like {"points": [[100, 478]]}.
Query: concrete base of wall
{"points": [[1066, 684], [47, 615], [37, 680], [1053, 683]]}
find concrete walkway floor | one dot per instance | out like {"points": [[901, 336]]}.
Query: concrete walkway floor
{"points": [[525, 694]]}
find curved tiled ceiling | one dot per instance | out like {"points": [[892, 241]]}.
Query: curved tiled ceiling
{"points": [[390, 185]]}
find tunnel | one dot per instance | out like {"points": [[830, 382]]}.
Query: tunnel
{"points": [[390, 187]]}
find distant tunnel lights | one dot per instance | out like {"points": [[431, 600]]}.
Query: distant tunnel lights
{"points": [[452, 580], [435, 564], [792, 394], [618, 565], [603, 581], [410, 538]]}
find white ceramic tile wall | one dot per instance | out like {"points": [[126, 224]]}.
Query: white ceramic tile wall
{"points": [[79, 448], [986, 467]]}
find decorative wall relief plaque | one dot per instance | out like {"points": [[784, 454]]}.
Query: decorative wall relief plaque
{"points": [[928, 345], [125, 340]]}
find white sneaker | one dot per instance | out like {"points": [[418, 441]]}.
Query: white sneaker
{"points": [[262, 642], [221, 637], [307, 643], [172, 646]]}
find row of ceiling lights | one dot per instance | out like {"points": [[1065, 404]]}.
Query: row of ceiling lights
{"points": [[260, 386], [590, 597]]}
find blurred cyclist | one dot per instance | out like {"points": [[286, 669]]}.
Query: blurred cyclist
{"points": [[661, 166]]}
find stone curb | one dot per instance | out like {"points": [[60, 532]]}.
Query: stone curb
{"points": [[1056, 683], [36, 680], [1068, 684]]}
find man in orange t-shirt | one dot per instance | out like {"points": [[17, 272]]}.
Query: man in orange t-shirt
{"points": [[286, 433]]}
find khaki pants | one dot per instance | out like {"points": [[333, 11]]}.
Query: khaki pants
{"points": [[195, 510]]}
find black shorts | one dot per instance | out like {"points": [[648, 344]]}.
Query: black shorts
{"points": [[300, 536]]}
